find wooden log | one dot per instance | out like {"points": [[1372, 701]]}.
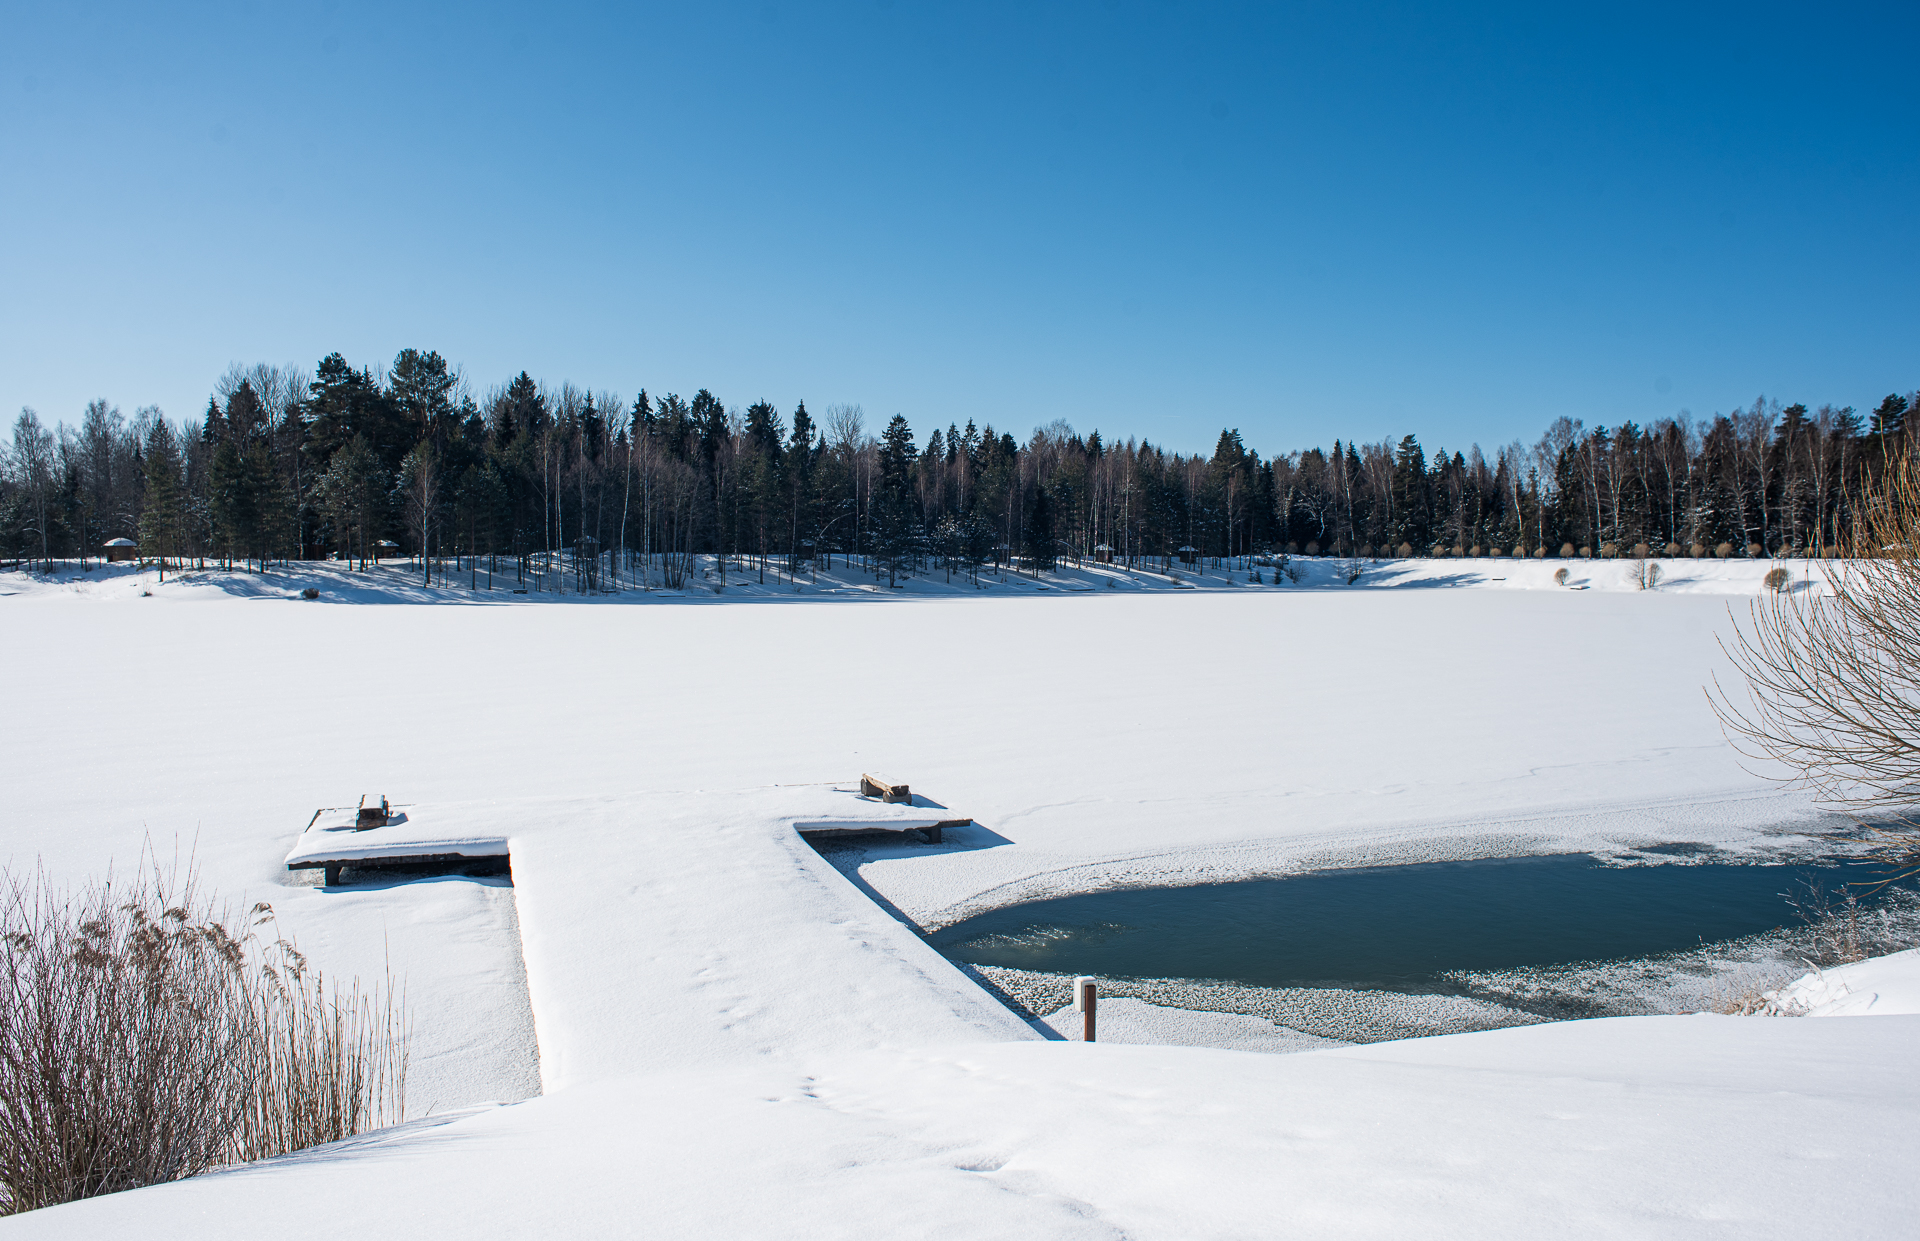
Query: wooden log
{"points": [[885, 790]]}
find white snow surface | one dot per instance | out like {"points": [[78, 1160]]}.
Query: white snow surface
{"points": [[1122, 1019], [733, 1040], [1879, 987]]}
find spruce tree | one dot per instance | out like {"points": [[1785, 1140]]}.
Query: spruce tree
{"points": [[802, 504], [163, 514], [1039, 532], [896, 528]]}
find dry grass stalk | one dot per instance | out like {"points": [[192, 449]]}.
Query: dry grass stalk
{"points": [[1833, 683]]}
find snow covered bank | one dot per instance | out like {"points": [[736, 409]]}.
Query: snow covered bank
{"points": [[1878, 987], [1636, 1127]]}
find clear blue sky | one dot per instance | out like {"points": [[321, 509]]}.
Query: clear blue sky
{"points": [[1157, 219]]}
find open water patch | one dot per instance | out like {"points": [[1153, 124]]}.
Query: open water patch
{"points": [[1394, 951]]}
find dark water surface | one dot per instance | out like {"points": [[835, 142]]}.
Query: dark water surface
{"points": [[1394, 927]]}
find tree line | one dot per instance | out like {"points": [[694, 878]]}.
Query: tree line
{"points": [[585, 489]]}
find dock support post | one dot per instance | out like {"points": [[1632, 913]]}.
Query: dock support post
{"points": [[333, 876], [1085, 999]]}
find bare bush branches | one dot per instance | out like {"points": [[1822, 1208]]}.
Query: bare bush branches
{"points": [[142, 1042], [1833, 681]]}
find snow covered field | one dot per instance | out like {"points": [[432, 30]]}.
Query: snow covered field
{"points": [[735, 1041]]}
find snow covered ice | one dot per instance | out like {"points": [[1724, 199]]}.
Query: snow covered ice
{"points": [[681, 1020]]}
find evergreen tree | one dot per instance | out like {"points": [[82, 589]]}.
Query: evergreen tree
{"points": [[1039, 539], [421, 387], [896, 529], [800, 480], [1890, 416], [163, 516], [1412, 514]]}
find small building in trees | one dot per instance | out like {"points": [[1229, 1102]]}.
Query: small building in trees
{"points": [[119, 550], [1103, 554], [1189, 554]]}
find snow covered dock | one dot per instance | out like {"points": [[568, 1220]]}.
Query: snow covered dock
{"points": [[341, 836], [338, 837]]}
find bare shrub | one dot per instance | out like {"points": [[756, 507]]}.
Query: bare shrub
{"points": [[1566, 551], [141, 1041], [1838, 928], [1560, 576], [1776, 579], [1753, 993], [1833, 683]]}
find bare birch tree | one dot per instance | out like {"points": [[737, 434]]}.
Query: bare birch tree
{"points": [[1832, 681]]}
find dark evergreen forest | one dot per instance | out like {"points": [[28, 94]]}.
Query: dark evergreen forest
{"points": [[584, 490]]}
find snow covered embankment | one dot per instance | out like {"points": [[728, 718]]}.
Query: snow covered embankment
{"points": [[1879, 987]]}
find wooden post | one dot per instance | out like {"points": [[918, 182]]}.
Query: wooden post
{"points": [[332, 876], [1086, 999]]}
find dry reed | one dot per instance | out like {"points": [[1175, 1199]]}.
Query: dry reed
{"points": [[142, 1042]]}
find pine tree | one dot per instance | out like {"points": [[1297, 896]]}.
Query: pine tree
{"points": [[421, 387], [1890, 416]]}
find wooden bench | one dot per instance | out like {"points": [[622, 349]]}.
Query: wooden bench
{"points": [[885, 790]]}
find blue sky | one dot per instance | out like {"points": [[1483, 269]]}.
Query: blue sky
{"points": [[1307, 222]]}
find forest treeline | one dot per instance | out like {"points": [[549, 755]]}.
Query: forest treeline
{"points": [[343, 462]]}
